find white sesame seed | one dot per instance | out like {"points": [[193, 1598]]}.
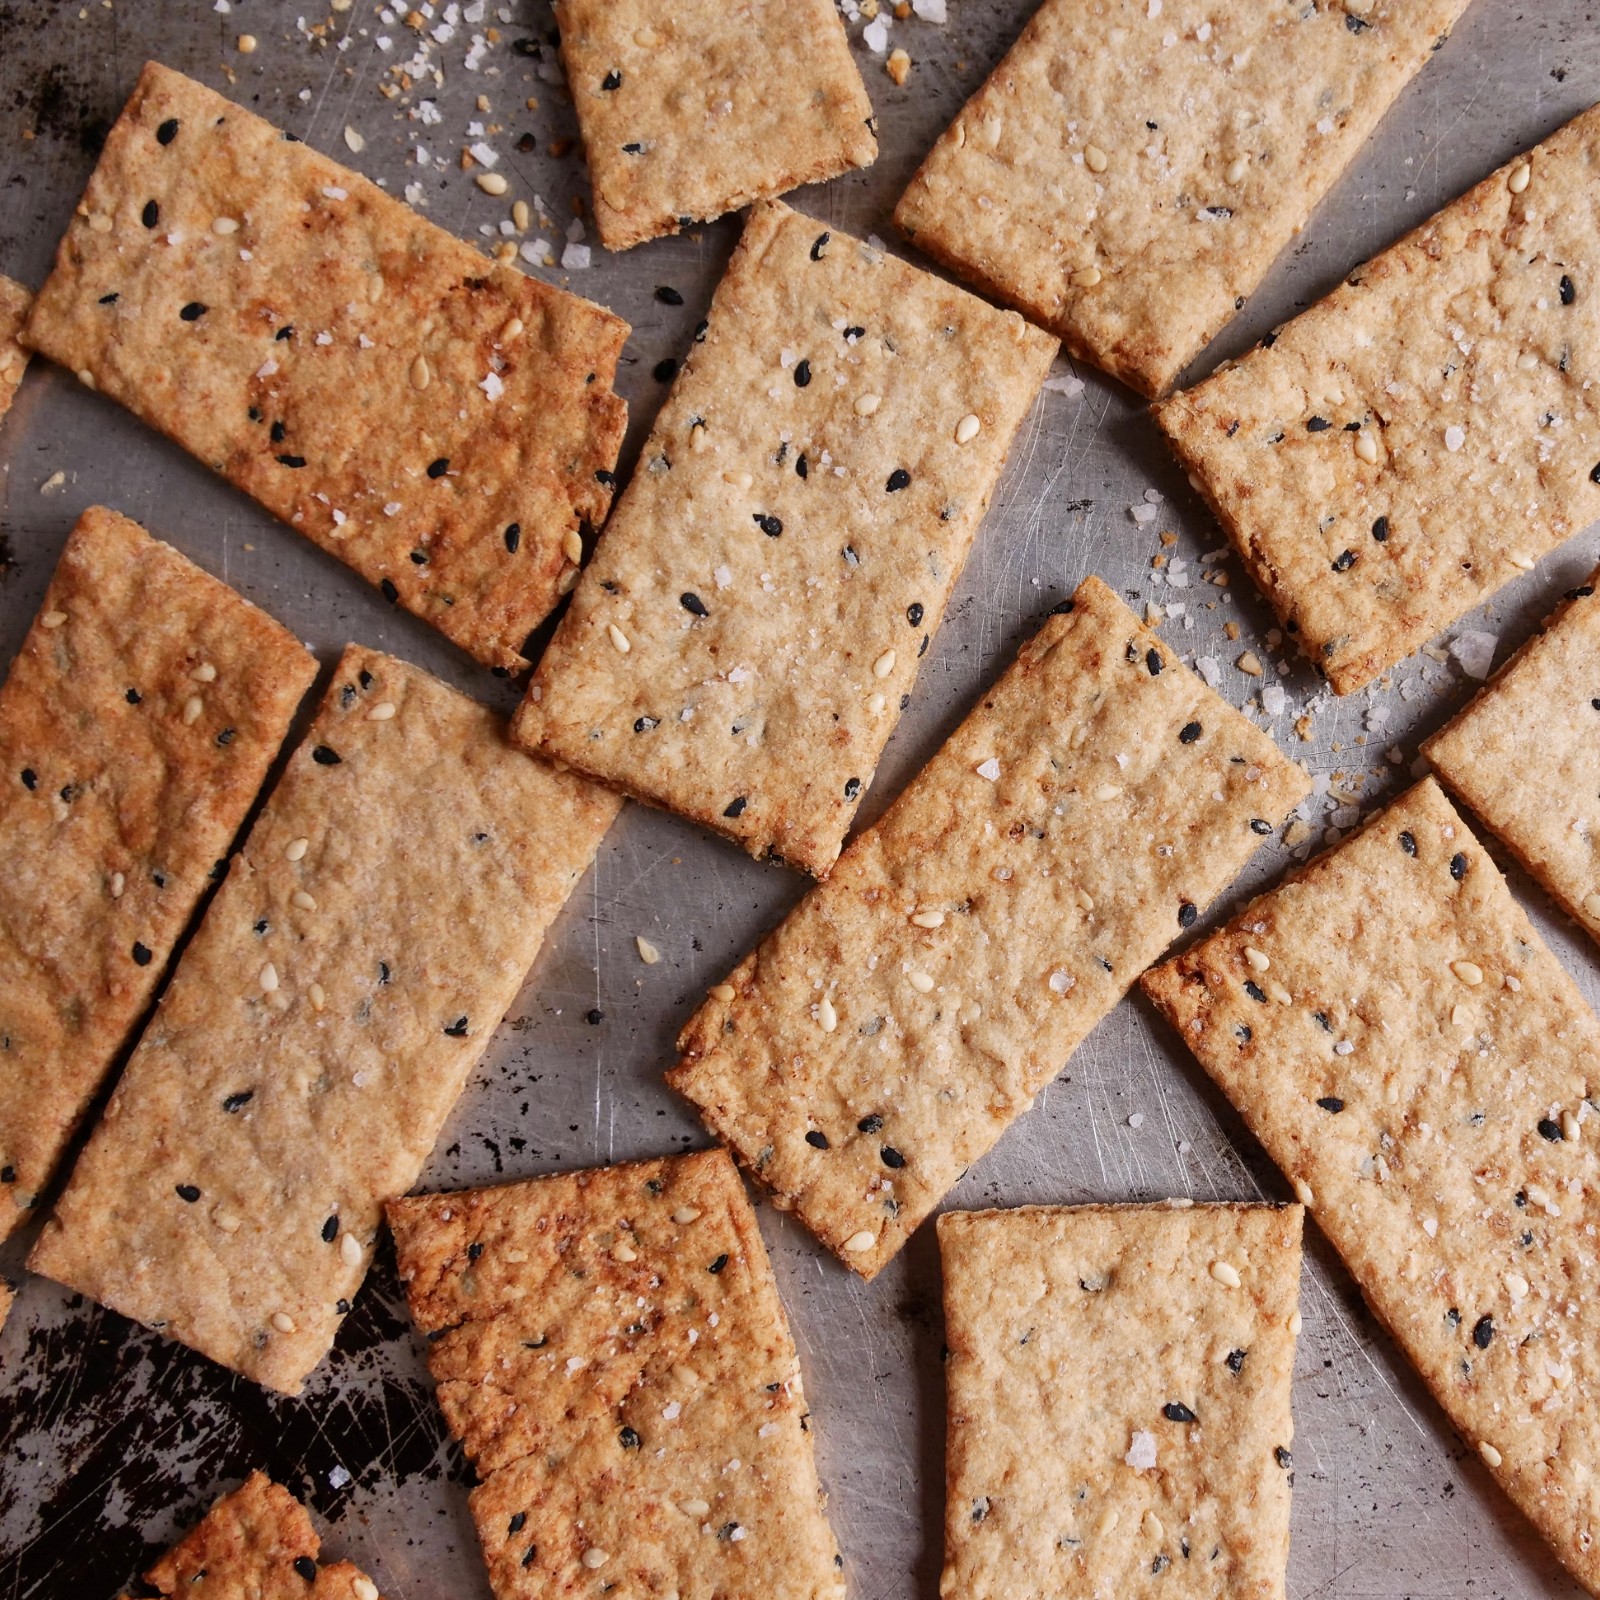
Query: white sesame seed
{"points": [[867, 404], [318, 996], [283, 1322], [618, 638], [884, 665], [520, 216], [1571, 1127], [192, 707], [1060, 982], [99, 222], [572, 546], [647, 951], [118, 884], [225, 1220], [1295, 1323], [303, 900], [1302, 1192], [204, 673], [1516, 1286], [1520, 176], [492, 182], [1258, 960], [296, 848], [1107, 791], [1469, 972], [857, 1242], [920, 981], [827, 1017], [623, 1251], [382, 712], [1237, 168], [269, 978], [876, 703], [363, 1588], [967, 429], [928, 919], [594, 1558], [353, 140], [421, 373], [512, 331], [1226, 1274], [693, 1508], [1367, 448], [1491, 1456], [684, 1215], [1094, 158], [52, 619], [1086, 277], [224, 225], [350, 1250], [1152, 1526], [722, 991], [1277, 992]]}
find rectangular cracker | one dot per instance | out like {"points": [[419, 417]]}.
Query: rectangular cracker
{"points": [[1424, 435], [1396, 1034], [369, 378], [14, 303], [691, 110], [257, 1542], [610, 1349], [1525, 755], [859, 1061], [1125, 177], [137, 725], [378, 921], [1118, 1391], [740, 646]]}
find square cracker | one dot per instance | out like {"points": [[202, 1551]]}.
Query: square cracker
{"points": [[1398, 1037], [14, 303], [698, 108], [256, 1544], [1126, 177], [439, 423], [1425, 434], [610, 1350], [370, 934], [1118, 1417], [911, 1007], [780, 561], [137, 725], [1526, 757]]}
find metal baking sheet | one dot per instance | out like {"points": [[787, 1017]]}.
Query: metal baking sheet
{"points": [[112, 1441]]}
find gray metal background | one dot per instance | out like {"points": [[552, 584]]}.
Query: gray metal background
{"points": [[111, 1441]]}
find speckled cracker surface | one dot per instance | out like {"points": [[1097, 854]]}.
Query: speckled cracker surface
{"points": [[910, 1008], [439, 423], [698, 108], [14, 303], [1127, 174], [610, 1349], [1525, 755], [372, 931], [256, 1544], [1118, 1392], [137, 724], [1393, 1030], [1425, 434], [739, 647]]}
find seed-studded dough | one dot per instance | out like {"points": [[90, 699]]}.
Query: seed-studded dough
{"points": [[372, 931], [1127, 174], [742, 643], [1525, 755], [911, 1007], [610, 1350], [1418, 1063], [439, 423], [256, 1544], [14, 303], [1422, 436], [698, 108], [1118, 1382], [137, 725]]}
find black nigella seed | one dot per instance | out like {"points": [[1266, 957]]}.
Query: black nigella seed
{"points": [[1189, 732], [324, 757], [1355, 24], [237, 1102], [735, 808], [801, 465], [475, 1249], [1483, 1332], [1317, 425], [226, 736], [142, 954], [168, 131], [1582, 592], [1344, 561], [666, 370], [606, 480], [188, 1193], [645, 724], [1283, 1457], [291, 461], [419, 558], [1594, 473], [802, 374], [513, 537], [914, 613], [1186, 913], [717, 1265], [285, 332], [1549, 1129], [134, 697], [527, 144], [1408, 842], [151, 214], [532, 1555], [306, 1567], [389, 592], [1254, 990], [852, 334], [109, 299], [1331, 1102], [1177, 1411], [330, 1229], [898, 479], [1152, 660], [852, 787], [633, 148], [769, 525], [278, 432], [892, 1157], [693, 604], [1458, 866], [1568, 293], [1236, 1362], [458, 1028], [667, 295], [30, 778], [193, 311], [1260, 825], [8, 1174], [727, 1531], [437, 469], [817, 1139], [1380, 529], [595, 1017], [818, 245], [701, 328], [612, 80], [517, 1523], [628, 1439]]}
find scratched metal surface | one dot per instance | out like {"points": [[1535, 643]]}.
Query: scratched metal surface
{"points": [[111, 1440]]}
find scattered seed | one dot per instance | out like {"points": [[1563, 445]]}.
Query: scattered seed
{"points": [[1226, 1274], [867, 404], [269, 978], [928, 919], [618, 638], [647, 951], [283, 1322], [827, 1017], [1094, 158], [1520, 176], [1469, 972], [1491, 1456], [492, 182], [858, 1242], [967, 429], [884, 665]]}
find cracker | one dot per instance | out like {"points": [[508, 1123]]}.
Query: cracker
{"points": [[256, 1544], [699, 108], [372, 931], [611, 1352], [14, 303], [439, 423], [1395, 1033], [1118, 1412], [1424, 435], [1126, 177], [774, 622], [1525, 757], [859, 1061], [137, 725]]}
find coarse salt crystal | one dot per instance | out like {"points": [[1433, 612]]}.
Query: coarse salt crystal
{"points": [[1141, 1454], [989, 769]]}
